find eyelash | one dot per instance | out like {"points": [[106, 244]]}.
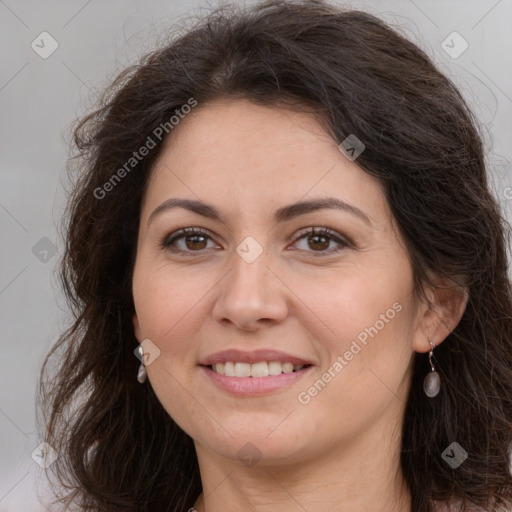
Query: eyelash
{"points": [[168, 240]]}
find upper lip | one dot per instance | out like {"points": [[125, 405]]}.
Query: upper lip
{"points": [[253, 356]]}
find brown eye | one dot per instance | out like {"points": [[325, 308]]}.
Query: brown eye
{"points": [[319, 239], [186, 240], [319, 242], [195, 241]]}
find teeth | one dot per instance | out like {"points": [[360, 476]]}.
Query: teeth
{"points": [[287, 367], [261, 369], [242, 370], [229, 369], [275, 368]]}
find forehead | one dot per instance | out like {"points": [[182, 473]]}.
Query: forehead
{"points": [[224, 129], [246, 155]]}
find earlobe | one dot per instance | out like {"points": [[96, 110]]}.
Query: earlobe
{"points": [[439, 318]]}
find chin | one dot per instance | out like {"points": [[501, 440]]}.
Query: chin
{"points": [[262, 446]]}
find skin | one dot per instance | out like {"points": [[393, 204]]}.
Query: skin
{"points": [[340, 451]]}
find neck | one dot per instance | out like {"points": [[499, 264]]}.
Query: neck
{"points": [[361, 474]]}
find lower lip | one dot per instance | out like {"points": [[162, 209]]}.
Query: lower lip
{"points": [[250, 386]]}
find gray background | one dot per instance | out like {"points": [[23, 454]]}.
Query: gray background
{"points": [[39, 98]]}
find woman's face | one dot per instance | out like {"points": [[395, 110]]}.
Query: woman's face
{"points": [[258, 293]]}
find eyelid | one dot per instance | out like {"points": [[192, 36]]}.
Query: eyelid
{"points": [[182, 232], [342, 241], [323, 230]]}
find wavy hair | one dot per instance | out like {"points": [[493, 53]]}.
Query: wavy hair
{"points": [[119, 450]]}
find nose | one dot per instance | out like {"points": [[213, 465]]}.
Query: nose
{"points": [[252, 294]]}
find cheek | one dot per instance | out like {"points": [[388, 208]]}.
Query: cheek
{"points": [[166, 307], [366, 334], [165, 301], [355, 305], [367, 362], [377, 354]]}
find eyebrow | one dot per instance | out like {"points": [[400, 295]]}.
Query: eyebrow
{"points": [[282, 214]]}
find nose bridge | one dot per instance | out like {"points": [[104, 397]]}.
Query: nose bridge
{"points": [[251, 292], [250, 268]]}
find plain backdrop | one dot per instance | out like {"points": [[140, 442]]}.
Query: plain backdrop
{"points": [[41, 94]]}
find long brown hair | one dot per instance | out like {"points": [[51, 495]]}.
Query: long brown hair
{"points": [[118, 448]]}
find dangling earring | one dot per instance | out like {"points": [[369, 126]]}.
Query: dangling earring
{"points": [[141, 374], [432, 382]]}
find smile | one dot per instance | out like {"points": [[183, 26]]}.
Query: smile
{"points": [[260, 369], [245, 383]]}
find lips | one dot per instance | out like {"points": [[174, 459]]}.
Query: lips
{"points": [[254, 373]]}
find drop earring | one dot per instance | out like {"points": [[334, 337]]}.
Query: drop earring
{"points": [[141, 374], [432, 382]]}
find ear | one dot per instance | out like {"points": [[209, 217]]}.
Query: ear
{"points": [[136, 328], [435, 321]]}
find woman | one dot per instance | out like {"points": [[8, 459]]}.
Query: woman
{"points": [[284, 214]]}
